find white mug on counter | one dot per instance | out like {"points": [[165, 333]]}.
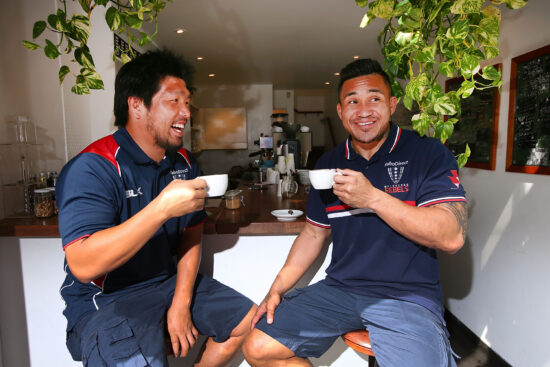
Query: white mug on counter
{"points": [[216, 185], [322, 179]]}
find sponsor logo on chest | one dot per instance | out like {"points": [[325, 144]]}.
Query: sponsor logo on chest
{"points": [[133, 193], [395, 172], [180, 174]]}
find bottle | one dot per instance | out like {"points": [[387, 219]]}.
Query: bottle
{"points": [[52, 178], [42, 180]]}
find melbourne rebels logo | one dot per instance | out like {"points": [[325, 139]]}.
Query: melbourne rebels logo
{"points": [[395, 171]]}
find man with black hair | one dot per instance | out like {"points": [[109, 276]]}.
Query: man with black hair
{"points": [[131, 213], [396, 200]]}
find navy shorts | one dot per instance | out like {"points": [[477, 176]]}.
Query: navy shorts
{"points": [[131, 330], [308, 321]]}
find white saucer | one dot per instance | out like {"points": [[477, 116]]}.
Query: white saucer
{"points": [[287, 215]]}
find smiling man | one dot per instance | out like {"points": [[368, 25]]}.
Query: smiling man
{"points": [[131, 216], [396, 201]]}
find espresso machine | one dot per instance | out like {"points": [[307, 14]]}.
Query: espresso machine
{"points": [[291, 138]]}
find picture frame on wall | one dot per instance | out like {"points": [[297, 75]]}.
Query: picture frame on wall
{"points": [[528, 148], [478, 124]]}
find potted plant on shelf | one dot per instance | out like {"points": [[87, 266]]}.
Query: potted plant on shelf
{"points": [[125, 17], [425, 39]]}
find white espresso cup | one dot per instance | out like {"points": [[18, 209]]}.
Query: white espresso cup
{"points": [[322, 179], [216, 185]]}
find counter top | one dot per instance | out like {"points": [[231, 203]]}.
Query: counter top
{"points": [[254, 218]]}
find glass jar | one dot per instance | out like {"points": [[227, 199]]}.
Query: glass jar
{"points": [[233, 199], [44, 205]]}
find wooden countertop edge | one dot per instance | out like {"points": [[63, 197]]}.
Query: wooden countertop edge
{"points": [[13, 227]]}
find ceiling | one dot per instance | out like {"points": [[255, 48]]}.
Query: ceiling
{"points": [[292, 44]]}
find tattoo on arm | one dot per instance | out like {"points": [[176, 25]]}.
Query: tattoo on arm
{"points": [[460, 211]]}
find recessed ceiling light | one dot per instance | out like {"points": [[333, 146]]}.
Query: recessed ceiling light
{"points": [[336, 74], [211, 75], [355, 57], [327, 83], [180, 30], [200, 58]]}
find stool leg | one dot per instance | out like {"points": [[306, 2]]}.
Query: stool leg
{"points": [[372, 362]]}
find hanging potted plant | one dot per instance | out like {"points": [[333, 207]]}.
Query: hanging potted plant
{"points": [[125, 17], [424, 39]]}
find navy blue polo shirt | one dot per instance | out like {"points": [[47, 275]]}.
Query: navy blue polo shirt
{"points": [[369, 257], [103, 186]]}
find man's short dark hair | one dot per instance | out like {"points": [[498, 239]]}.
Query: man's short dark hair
{"points": [[362, 67], [142, 76]]}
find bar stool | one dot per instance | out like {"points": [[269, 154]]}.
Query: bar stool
{"points": [[359, 340]]}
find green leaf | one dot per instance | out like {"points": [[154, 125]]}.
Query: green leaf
{"points": [[469, 65], [427, 54], [462, 158], [51, 50], [407, 102], [396, 89], [488, 32], [491, 11], [443, 130], [515, 4], [52, 21], [383, 8], [418, 87], [144, 39], [92, 78], [125, 58], [113, 18], [421, 122], [62, 21], [401, 8], [84, 57], [466, 6], [80, 88], [102, 2], [85, 4], [402, 38], [361, 3], [459, 30], [81, 26], [138, 4], [466, 88], [446, 68], [366, 20], [38, 28], [133, 21], [411, 19], [63, 71], [489, 72], [30, 45], [490, 52], [445, 106]]}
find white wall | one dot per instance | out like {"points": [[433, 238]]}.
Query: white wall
{"points": [[258, 101], [498, 283], [29, 85]]}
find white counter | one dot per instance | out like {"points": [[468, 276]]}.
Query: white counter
{"points": [[32, 327]]}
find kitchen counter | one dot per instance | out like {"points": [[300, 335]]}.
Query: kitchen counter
{"points": [[254, 218]]}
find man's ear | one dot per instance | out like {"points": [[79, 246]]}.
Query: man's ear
{"points": [[393, 104], [135, 107], [339, 110]]}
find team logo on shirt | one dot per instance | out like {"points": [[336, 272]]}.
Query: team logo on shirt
{"points": [[180, 174], [395, 171], [454, 178]]}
